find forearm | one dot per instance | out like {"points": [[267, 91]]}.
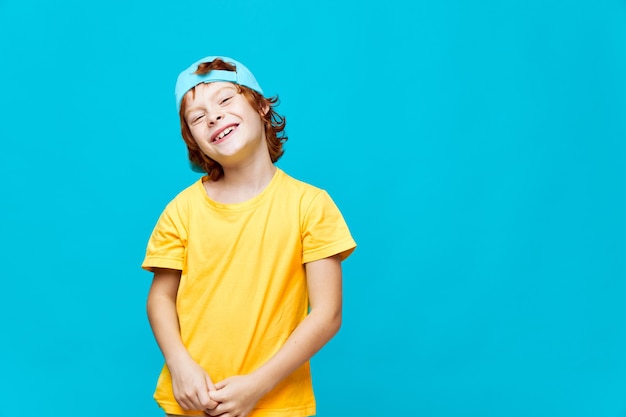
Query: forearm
{"points": [[164, 322], [306, 340]]}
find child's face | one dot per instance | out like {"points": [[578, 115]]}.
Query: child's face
{"points": [[224, 124]]}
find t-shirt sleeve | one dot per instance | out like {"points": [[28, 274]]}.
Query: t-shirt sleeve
{"points": [[167, 244], [324, 231]]}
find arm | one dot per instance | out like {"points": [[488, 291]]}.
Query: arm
{"points": [[237, 395], [190, 382]]}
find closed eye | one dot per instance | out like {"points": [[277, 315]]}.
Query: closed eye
{"points": [[226, 100], [197, 119]]}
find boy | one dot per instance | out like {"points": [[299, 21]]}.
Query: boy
{"points": [[246, 261]]}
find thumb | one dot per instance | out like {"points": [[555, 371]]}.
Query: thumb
{"points": [[221, 384], [217, 396]]}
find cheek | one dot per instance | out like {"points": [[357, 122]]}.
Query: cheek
{"points": [[197, 132]]}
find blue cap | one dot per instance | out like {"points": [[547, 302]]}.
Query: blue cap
{"points": [[188, 79]]}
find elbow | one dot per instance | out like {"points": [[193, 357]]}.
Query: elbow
{"points": [[328, 323], [337, 327], [151, 304], [150, 308], [334, 323]]}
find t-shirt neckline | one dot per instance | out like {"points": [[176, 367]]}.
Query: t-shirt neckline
{"points": [[244, 205]]}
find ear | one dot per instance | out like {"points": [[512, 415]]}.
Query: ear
{"points": [[265, 109]]}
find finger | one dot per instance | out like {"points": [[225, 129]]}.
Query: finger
{"points": [[212, 402], [214, 412], [221, 384], [184, 403], [205, 401], [209, 383], [218, 396], [194, 404]]}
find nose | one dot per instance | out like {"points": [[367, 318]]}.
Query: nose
{"points": [[215, 117]]}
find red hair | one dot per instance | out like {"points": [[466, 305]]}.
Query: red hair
{"points": [[273, 122]]}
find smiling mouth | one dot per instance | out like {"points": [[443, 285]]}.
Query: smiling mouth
{"points": [[224, 133]]}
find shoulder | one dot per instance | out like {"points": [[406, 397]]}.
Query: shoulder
{"points": [[307, 195], [293, 185], [187, 197]]}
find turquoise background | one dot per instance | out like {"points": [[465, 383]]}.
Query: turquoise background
{"points": [[476, 149]]}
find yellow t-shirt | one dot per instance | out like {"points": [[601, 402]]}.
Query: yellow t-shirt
{"points": [[243, 284]]}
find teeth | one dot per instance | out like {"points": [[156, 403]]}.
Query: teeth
{"points": [[225, 132]]}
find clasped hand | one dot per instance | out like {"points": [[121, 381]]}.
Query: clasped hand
{"points": [[192, 386], [233, 397]]}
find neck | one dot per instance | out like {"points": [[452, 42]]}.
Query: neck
{"points": [[242, 182], [252, 177]]}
